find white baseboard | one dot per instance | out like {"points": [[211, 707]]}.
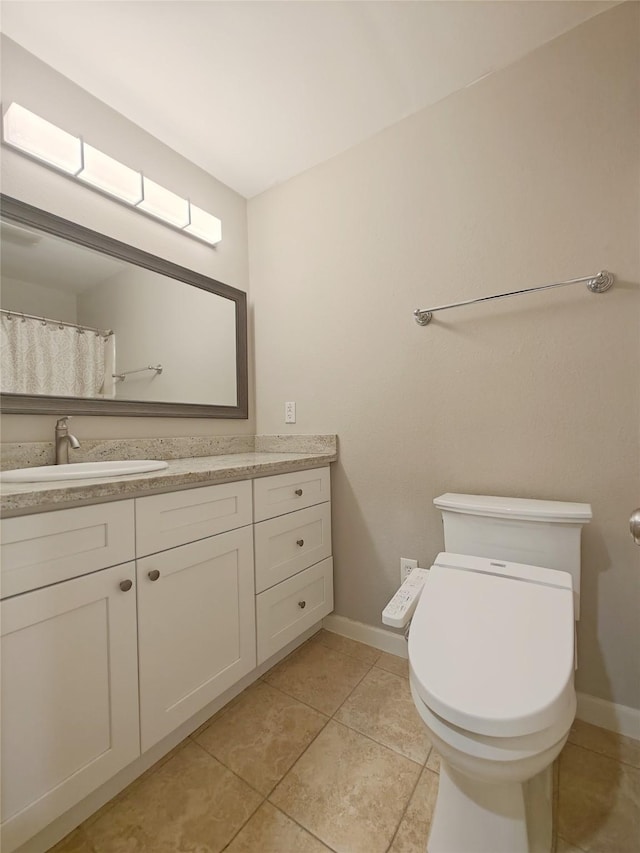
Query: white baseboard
{"points": [[609, 715], [591, 709], [379, 638]]}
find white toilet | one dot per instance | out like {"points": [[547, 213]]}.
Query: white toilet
{"points": [[492, 659]]}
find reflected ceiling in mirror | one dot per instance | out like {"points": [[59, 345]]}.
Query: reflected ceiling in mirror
{"points": [[91, 325]]}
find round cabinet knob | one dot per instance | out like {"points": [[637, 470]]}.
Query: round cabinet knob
{"points": [[302, 605], [125, 586], [153, 575], [298, 492], [300, 542]]}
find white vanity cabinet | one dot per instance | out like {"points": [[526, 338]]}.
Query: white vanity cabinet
{"points": [[122, 620], [196, 625], [294, 568], [69, 661]]}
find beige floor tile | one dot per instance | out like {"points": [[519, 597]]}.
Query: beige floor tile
{"points": [[112, 802], [564, 847], [270, 831], [433, 762], [598, 802], [413, 831], [348, 647], [75, 842], [262, 735], [191, 803], [348, 790], [393, 663], [608, 743], [318, 676], [381, 707]]}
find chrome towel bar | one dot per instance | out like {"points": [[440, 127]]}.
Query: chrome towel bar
{"points": [[595, 283], [122, 376]]}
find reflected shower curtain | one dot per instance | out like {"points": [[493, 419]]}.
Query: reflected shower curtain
{"points": [[48, 358]]}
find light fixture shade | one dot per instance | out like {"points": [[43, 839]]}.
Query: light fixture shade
{"points": [[204, 226], [164, 204], [110, 176], [41, 139]]}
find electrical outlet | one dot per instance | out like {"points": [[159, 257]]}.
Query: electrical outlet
{"points": [[406, 567], [290, 413]]}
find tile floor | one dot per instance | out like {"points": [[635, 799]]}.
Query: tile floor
{"points": [[327, 753]]}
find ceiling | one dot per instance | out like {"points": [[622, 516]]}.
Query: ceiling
{"points": [[256, 92]]}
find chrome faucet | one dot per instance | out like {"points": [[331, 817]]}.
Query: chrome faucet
{"points": [[63, 440]]}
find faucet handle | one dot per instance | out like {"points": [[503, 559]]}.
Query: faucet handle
{"points": [[61, 423]]}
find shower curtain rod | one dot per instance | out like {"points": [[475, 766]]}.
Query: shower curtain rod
{"points": [[595, 283], [60, 323]]}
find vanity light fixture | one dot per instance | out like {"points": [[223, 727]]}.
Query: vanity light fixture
{"points": [[202, 224], [34, 136], [41, 139], [106, 174], [164, 204]]}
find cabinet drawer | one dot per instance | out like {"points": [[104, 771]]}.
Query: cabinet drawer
{"points": [[290, 543], [286, 610], [42, 549], [288, 492], [166, 521]]}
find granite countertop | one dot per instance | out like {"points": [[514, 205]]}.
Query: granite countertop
{"points": [[189, 472]]}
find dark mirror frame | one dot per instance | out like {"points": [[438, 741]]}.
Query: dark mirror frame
{"points": [[23, 404]]}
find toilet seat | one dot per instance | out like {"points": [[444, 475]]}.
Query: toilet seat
{"points": [[491, 646]]}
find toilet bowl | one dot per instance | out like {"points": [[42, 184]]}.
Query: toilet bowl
{"points": [[492, 658]]}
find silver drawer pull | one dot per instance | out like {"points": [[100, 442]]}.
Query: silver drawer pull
{"points": [[302, 605], [300, 542], [298, 492], [153, 575], [125, 586]]}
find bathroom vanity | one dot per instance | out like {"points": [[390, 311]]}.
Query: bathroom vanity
{"points": [[127, 621]]}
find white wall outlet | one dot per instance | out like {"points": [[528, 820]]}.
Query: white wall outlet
{"points": [[406, 567], [290, 413]]}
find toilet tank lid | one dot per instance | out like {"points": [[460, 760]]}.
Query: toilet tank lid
{"points": [[516, 508]]}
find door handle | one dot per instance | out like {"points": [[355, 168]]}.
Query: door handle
{"points": [[634, 525]]}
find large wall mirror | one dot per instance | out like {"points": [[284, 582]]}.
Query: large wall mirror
{"points": [[91, 325]]}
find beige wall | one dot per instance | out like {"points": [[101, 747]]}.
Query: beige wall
{"points": [[530, 176], [38, 87]]}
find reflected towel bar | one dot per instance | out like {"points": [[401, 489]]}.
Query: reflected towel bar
{"points": [[596, 284], [122, 376]]}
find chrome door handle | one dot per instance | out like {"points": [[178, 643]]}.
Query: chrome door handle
{"points": [[634, 525]]}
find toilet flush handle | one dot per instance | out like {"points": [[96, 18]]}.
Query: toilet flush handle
{"points": [[634, 525]]}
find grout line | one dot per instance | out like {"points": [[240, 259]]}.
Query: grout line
{"points": [[356, 685], [406, 808], [302, 826], [383, 745], [313, 739], [296, 699], [571, 843], [318, 639], [603, 755], [244, 781]]}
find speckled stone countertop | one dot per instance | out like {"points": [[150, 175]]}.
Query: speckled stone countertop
{"points": [[184, 473]]}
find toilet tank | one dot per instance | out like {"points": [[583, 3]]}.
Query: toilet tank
{"points": [[538, 533]]}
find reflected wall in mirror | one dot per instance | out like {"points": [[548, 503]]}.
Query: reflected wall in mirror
{"points": [[91, 325]]}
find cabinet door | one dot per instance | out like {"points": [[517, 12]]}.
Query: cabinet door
{"points": [[69, 696], [196, 628]]}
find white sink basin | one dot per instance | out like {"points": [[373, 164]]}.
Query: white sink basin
{"points": [[81, 470]]}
